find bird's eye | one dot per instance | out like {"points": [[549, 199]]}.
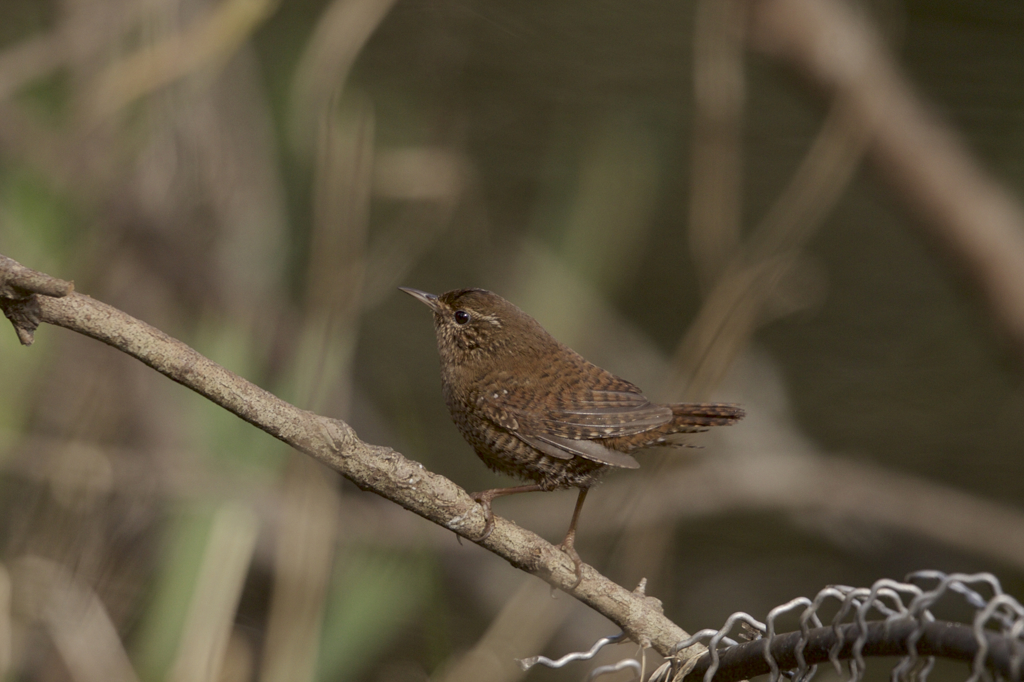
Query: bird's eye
{"points": [[461, 317]]}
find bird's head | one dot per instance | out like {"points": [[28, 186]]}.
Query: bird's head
{"points": [[476, 325]]}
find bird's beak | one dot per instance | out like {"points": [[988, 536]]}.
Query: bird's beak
{"points": [[429, 299]]}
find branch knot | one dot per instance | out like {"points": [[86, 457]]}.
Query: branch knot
{"points": [[18, 288]]}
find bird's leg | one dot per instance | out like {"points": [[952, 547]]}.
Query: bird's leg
{"points": [[568, 544], [484, 498]]}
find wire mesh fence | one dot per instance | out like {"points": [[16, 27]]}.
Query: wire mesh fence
{"points": [[890, 618]]}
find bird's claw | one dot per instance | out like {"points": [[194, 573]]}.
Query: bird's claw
{"points": [[484, 500], [574, 555]]}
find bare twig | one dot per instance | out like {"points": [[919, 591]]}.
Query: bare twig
{"points": [[371, 467]]}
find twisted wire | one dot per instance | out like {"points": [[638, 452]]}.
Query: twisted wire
{"points": [[907, 628], [527, 663]]}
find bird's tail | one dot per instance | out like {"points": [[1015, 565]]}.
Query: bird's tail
{"points": [[699, 416]]}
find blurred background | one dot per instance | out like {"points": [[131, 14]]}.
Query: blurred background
{"points": [[810, 207]]}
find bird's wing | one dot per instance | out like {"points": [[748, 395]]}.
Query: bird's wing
{"points": [[574, 427], [567, 448], [599, 414]]}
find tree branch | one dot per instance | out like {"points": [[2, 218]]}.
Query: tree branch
{"points": [[332, 442]]}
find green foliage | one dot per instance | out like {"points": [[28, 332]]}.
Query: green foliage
{"points": [[375, 596], [185, 539]]}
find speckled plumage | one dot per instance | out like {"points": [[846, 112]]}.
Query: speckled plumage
{"points": [[533, 408]]}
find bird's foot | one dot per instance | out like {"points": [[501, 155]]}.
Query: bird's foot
{"points": [[568, 548], [569, 543], [484, 500]]}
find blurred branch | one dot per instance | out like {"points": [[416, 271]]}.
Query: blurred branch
{"points": [[337, 267], [978, 224], [719, 93], [817, 491], [770, 258], [339, 37], [6, 623], [306, 540], [218, 590], [332, 442], [78, 622], [211, 39], [29, 60], [506, 637], [82, 31]]}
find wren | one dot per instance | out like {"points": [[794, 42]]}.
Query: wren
{"points": [[533, 408]]}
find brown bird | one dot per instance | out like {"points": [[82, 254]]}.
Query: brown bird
{"points": [[533, 408]]}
